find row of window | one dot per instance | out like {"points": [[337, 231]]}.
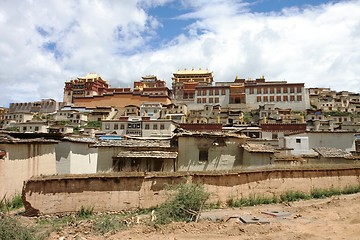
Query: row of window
{"points": [[13, 116], [290, 98], [30, 128], [273, 90], [211, 92], [154, 126], [204, 100]]}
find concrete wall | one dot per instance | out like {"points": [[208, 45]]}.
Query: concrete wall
{"points": [[342, 140], [105, 157], [110, 192], [257, 158], [220, 156], [299, 143], [22, 161], [75, 158]]}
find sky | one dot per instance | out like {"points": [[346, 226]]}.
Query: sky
{"points": [[45, 43]]}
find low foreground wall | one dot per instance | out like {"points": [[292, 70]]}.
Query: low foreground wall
{"points": [[110, 192]]}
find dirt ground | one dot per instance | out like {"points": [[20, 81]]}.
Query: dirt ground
{"points": [[331, 218]]}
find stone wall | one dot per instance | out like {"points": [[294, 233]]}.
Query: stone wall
{"points": [[114, 192]]}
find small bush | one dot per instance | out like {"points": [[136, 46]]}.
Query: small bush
{"points": [[8, 205], [85, 212], [351, 189], [11, 229], [215, 205], [185, 205], [291, 196], [323, 193], [109, 223], [252, 200]]}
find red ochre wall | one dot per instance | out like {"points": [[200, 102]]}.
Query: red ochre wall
{"points": [[111, 192], [118, 100]]}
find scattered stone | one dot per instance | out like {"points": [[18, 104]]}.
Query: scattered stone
{"points": [[278, 214], [253, 220]]}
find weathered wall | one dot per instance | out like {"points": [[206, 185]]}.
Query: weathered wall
{"points": [[24, 160], [105, 157], [257, 158], [342, 140], [113, 192], [220, 156], [75, 158], [118, 100]]}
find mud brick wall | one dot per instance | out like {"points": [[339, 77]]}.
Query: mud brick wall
{"points": [[111, 192]]}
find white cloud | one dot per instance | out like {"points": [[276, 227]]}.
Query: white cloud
{"points": [[316, 45]]}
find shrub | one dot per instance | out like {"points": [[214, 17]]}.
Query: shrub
{"points": [[8, 205], [11, 229], [185, 205], [252, 200], [323, 193], [351, 189], [109, 223], [291, 196], [85, 212]]}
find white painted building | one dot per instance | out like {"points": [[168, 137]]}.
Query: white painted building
{"points": [[299, 143], [33, 127], [140, 127], [75, 156]]}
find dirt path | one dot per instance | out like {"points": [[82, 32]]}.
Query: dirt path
{"points": [[332, 218]]}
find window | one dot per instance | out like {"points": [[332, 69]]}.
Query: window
{"points": [[298, 89], [203, 155], [107, 126], [251, 91], [155, 126], [292, 98], [198, 100], [298, 140], [204, 100], [162, 126], [36, 128], [278, 90], [265, 98], [274, 136], [211, 100], [122, 126], [265, 90], [258, 98], [147, 126], [222, 91], [299, 98], [211, 92], [285, 90], [216, 100], [292, 90], [24, 128], [285, 98], [116, 126], [272, 90], [216, 91], [271, 98], [278, 98]]}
